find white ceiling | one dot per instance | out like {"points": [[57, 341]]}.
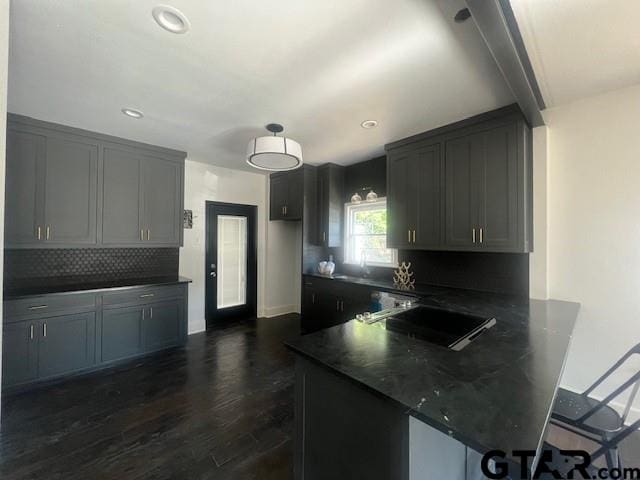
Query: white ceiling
{"points": [[580, 48], [318, 67]]}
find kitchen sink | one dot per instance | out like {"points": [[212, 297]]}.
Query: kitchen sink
{"points": [[450, 329]]}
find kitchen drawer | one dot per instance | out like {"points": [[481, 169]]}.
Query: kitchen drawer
{"points": [[48, 305], [141, 296]]}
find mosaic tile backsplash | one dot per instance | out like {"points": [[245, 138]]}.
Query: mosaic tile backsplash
{"points": [[33, 266]]}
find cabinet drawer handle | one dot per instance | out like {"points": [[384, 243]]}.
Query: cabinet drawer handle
{"points": [[147, 295], [481, 239], [37, 307], [473, 235], [31, 331], [44, 329]]}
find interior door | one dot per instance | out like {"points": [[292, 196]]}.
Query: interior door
{"points": [[231, 268]]}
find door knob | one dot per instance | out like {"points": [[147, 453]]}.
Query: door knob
{"points": [[213, 274]]}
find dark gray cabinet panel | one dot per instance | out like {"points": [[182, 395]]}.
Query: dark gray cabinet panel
{"points": [[498, 215], [72, 188], [121, 197], [330, 204], [19, 352], [71, 184], [413, 198], [161, 192], [24, 216], [66, 344], [162, 325], [286, 195], [477, 197], [463, 164], [122, 333]]}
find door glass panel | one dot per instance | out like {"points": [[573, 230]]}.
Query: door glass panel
{"points": [[232, 261]]}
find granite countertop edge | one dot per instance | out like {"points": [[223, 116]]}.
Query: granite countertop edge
{"points": [[124, 284]]}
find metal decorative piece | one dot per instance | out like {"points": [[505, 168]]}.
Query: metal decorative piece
{"points": [[187, 219], [402, 277]]}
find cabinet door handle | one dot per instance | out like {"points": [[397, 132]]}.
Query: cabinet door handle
{"points": [[285, 209], [414, 237], [408, 236], [324, 236], [473, 236], [141, 234], [337, 305], [313, 298], [48, 235], [148, 234], [31, 331], [143, 313], [37, 307], [44, 329], [341, 305], [481, 239], [39, 232], [150, 312], [147, 295]]}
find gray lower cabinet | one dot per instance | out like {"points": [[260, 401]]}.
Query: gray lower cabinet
{"points": [[66, 344], [72, 188], [19, 353], [121, 333], [52, 336]]}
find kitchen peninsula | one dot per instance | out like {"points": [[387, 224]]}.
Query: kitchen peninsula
{"points": [[376, 404]]}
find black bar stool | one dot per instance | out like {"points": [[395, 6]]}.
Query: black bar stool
{"points": [[594, 419]]}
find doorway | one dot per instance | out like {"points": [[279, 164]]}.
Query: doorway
{"points": [[230, 262]]}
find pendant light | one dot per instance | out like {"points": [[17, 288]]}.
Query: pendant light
{"points": [[274, 153]]}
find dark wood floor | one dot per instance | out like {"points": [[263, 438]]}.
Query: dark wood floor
{"points": [[221, 408]]}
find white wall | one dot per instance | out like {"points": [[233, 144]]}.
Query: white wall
{"points": [[277, 244], [594, 227], [4, 63]]}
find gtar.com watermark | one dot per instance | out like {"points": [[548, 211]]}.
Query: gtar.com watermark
{"points": [[571, 464]]}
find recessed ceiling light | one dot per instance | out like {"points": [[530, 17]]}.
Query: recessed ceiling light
{"points": [[462, 15], [171, 19], [369, 124], [133, 113]]}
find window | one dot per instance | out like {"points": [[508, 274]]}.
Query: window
{"points": [[366, 234]]}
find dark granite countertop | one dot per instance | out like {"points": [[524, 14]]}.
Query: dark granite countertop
{"points": [[497, 393], [91, 284]]}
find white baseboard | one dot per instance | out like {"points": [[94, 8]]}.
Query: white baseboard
{"points": [[269, 312]]}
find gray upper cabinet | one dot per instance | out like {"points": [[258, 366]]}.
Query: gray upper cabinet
{"points": [[466, 186], [463, 166], [330, 204], [72, 188], [24, 216], [286, 195], [413, 197], [161, 205], [122, 198]]}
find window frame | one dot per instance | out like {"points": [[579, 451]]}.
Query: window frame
{"points": [[349, 209]]}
